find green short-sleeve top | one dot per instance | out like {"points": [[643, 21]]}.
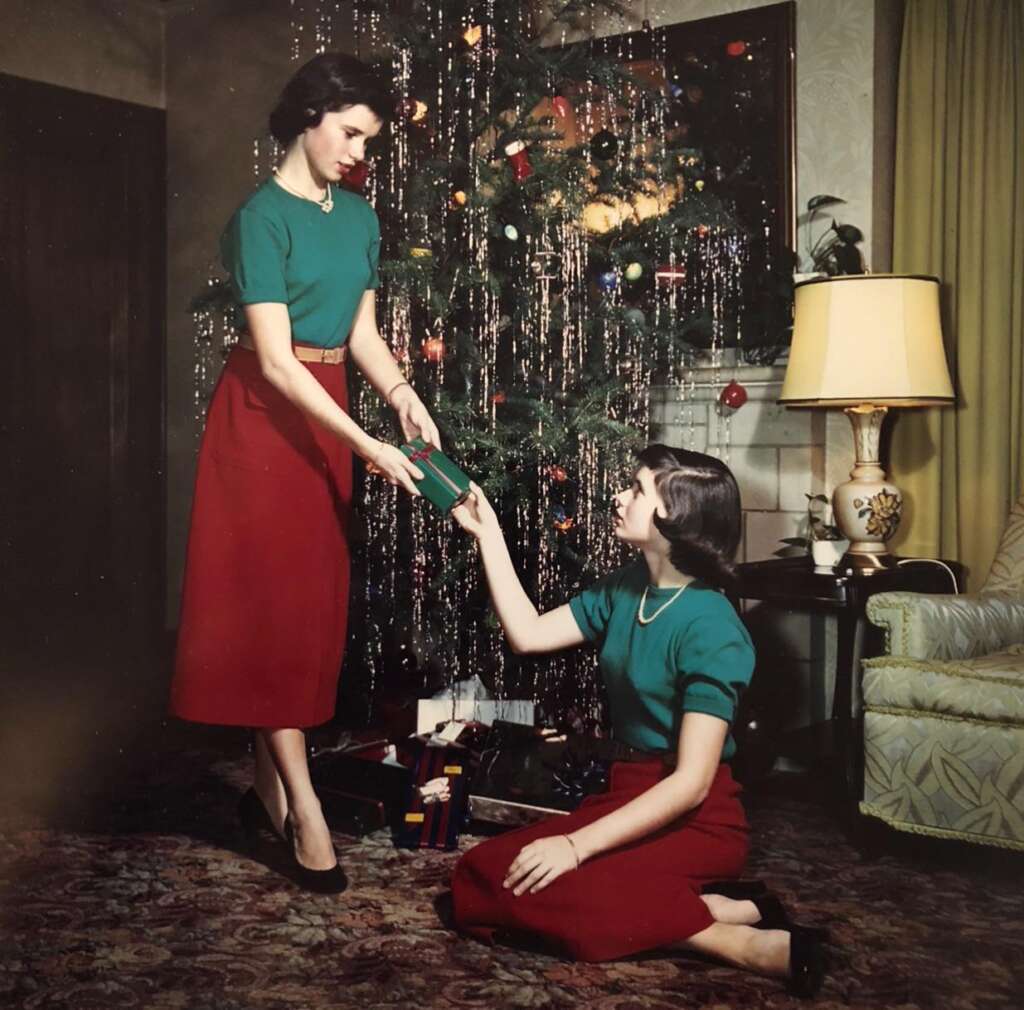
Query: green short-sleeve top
{"points": [[695, 656], [278, 247]]}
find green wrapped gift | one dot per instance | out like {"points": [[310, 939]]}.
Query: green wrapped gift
{"points": [[443, 482]]}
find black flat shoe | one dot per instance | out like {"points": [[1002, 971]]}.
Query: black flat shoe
{"points": [[257, 824], [774, 916], [332, 881], [807, 964], [738, 890]]}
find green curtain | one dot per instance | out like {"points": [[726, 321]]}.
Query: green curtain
{"points": [[959, 214]]}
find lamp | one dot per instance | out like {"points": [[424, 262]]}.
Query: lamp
{"points": [[867, 342]]}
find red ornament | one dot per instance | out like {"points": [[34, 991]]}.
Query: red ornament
{"points": [[519, 159], [561, 105], [557, 474], [355, 178], [499, 397], [737, 48], [733, 396], [433, 349]]}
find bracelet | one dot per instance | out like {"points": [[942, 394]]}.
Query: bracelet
{"points": [[387, 399], [575, 851]]}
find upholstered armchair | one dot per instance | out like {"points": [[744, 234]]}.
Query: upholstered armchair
{"points": [[944, 708]]}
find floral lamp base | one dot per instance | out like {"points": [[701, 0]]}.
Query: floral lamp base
{"points": [[867, 507]]}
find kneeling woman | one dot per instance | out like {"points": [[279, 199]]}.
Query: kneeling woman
{"points": [[624, 873]]}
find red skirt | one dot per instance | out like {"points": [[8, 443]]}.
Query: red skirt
{"points": [[265, 602], [638, 897]]}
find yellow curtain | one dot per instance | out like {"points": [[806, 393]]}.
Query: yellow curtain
{"points": [[959, 214]]}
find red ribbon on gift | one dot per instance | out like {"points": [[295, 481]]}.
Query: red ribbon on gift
{"points": [[421, 455]]}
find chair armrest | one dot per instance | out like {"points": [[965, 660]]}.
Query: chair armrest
{"points": [[940, 626]]}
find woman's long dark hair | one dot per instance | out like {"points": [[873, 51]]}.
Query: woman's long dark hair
{"points": [[702, 503], [327, 83]]}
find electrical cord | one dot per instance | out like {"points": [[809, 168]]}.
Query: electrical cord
{"points": [[932, 561]]}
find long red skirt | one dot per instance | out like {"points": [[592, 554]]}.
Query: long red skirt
{"points": [[265, 604], [638, 897]]}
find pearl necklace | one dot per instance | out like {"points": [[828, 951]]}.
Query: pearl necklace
{"points": [[326, 204], [643, 599]]}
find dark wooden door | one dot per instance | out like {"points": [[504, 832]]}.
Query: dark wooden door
{"points": [[82, 281]]}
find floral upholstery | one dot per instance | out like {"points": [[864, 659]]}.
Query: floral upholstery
{"points": [[944, 708]]}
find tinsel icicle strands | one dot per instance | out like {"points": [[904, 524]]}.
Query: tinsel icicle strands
{"points": [[531, 370]]}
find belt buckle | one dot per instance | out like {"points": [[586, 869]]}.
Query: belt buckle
{"points": [[323, 356]]}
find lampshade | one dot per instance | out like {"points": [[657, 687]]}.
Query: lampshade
{"points": [[867, 338]]}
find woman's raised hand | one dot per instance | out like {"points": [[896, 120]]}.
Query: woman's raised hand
{"points": [[476, 516], [393, 465], [413, 416]]}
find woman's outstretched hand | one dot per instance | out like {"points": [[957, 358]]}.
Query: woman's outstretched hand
{"points": [[475, 515], [393, 465], [413, 416], [539, 863]]}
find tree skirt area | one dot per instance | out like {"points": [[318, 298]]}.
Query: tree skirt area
{"points": [[147, 900]]}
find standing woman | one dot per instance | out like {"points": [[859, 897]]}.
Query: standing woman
{"points": [[264, 612], [625, 872]]}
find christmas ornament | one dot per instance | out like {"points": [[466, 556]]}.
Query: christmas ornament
{"points": [[670, 276], [414, 110], [433, 349], [634, 272], [561, 105], [698, 185], [355, 178], [511, 232], [473, 35], [419, 252], [459, 198], [545, 265], [607, 280], [733, 396], [557, 474], [737, 48], [499, 397], [635, 316], [560, 520], [519, 159], [702, 230], [604, 145]]}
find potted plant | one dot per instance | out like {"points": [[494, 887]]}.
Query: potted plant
{"points": [[825, 541]]}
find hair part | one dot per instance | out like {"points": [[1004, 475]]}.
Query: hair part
{"points": [[329, 82], [702, 505]]}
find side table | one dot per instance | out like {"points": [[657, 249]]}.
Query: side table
{"points": [[795, 584]]}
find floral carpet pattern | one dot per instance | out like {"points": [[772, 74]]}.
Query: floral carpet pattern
{"points": [[152, 905]]}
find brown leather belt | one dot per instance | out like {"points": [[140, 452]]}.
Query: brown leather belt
{"points": [[304, 352]]}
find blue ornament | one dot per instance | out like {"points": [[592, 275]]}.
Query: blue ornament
{"points": [[608, 280]]}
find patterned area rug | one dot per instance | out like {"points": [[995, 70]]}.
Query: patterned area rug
{"points": [[150, 904]]}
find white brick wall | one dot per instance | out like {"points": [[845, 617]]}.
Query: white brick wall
{"points": [[777, 454]]}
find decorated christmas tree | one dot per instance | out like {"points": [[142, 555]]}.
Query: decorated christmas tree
{"points": [[559, 233]]}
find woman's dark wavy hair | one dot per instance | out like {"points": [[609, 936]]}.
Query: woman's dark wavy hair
{"points": [[327, 83], [702, 503]]}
